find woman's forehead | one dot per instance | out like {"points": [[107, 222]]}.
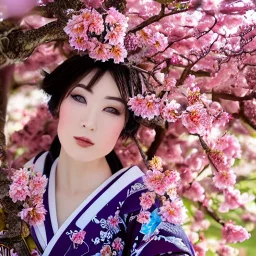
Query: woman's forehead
{"points": [[105, 84]]}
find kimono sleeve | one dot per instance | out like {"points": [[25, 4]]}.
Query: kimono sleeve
{"points": [[154, 238]]}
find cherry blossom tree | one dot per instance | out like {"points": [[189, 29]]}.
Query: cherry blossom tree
{"points": [[198, 106]]}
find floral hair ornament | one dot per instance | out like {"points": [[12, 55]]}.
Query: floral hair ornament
{"points": [[100, 35]]}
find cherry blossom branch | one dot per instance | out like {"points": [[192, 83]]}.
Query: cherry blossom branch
{"points": [[226, 96], [160, 134], [155, 18], [143, 155]]}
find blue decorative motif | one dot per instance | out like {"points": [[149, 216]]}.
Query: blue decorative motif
{"points": [[150, 227]]}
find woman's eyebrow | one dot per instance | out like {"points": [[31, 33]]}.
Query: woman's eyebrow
{"points": [[107, 97]]}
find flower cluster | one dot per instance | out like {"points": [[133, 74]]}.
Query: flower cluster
{"points": [[151, 106], [162, 185], [28, 187], [102, 35], [199, 116]]}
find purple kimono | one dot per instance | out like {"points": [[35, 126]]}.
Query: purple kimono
{"points": [[107, 220]]}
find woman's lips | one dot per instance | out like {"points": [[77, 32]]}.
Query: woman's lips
{"points": [[83, 142]]}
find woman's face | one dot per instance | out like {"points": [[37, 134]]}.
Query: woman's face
{"points": [[98, 115]]}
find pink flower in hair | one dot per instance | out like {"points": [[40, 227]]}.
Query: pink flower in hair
{"points": [[147, 200], [114, 17], [234, 233], [173, 212], [115, 36], [101, 52], [75, 26], [143, 217], [96, 24], [224, 179], [79, 43], [118, 53], [170, 111], [78, 237]]}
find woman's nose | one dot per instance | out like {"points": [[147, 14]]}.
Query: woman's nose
{"points": [[89, 121]]}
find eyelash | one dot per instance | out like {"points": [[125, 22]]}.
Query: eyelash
{"points": [[76, 97]]}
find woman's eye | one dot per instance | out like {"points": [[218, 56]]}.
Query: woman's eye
{"points": [[113, 110], [78, 98]]}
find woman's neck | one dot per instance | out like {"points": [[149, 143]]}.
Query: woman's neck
{"points": [[76, 177]]}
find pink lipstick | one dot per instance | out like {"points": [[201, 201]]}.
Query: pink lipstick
{"points": [[83, 142]]}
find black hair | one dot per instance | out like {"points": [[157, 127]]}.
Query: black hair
{"points": [[64, 78]]}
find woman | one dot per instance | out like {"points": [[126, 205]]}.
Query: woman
{"points": [[91, 200]]}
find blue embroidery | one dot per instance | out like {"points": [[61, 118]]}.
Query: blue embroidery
{"points": [[150, 227]]}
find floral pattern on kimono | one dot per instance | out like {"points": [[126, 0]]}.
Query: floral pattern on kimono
{"points": [[107, 221]]}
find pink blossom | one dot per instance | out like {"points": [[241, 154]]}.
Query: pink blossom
{"points": [[234, 233], [18, 192], [233, 199], [21, 177], [144, 36], [37, 184], [113, 221], [147, 200], [194, 95], [114, 17], [225, 250], [222, 119], [196, 192], [118, 53], [170, 111], [143, 217], [197, 120], [156, 163], [79, 43], [219, 160], [96, 23], [229, 145], [33, 215], [171, 177], [137, 104], [200, 249], [75, 26], [159, 41], [118, 244], [78, 237], [115, 36], [224, 179], [155, 181], [152, 107], [101, 52], [173, 212]]}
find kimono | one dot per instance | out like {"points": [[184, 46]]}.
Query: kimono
{"points": [[107, 219]]}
